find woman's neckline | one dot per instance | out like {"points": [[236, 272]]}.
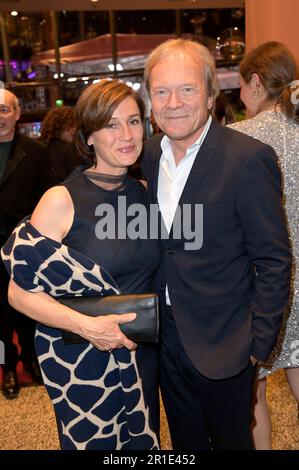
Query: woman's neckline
{"points": [[107, 182]]}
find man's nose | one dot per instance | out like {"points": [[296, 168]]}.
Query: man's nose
{"points": [[174, 99]]}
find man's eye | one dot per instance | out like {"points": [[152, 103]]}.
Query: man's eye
{"points": [[188, 90], [160, 92]]}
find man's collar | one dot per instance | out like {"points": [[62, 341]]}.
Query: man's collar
{"points": [[166, 141]]}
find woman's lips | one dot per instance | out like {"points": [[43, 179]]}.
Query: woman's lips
{"points": [[129, 149]]}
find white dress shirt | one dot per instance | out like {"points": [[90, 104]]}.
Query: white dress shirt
{"points": [[172, 179]]}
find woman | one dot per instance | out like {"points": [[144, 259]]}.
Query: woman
{"points": [[222, 110], [103, 398], [57, 132], [267, 80]]}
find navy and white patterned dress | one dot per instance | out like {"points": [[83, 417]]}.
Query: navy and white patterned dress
{"points": [[102, 401]]}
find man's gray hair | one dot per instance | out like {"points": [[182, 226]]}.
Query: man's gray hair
{"points": [[198, 52], [16, 102]]}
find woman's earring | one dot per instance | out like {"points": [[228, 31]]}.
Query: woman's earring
{"points": [[255, 93]]}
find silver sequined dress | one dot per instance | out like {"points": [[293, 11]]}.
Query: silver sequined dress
{"points": [[282, 133]]}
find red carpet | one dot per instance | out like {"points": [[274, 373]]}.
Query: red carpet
{"points": [[23, 377]]}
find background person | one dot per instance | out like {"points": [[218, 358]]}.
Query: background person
{"points": [[266, 77], [24, 176], [223, 111], [57, 133]]}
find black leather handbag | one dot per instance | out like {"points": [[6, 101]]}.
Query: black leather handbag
{"points": [[144, 329]]}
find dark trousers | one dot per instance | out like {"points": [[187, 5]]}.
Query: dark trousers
{"points": [[147, 362], [10, 321], [202, 413]]}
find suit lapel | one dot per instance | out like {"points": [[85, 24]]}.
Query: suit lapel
{"points": [[16, 156], [201, 164], [203, 160], [156, 151]]}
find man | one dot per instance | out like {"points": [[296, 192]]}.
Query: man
{"points": [[24, 176], [224, 297]]}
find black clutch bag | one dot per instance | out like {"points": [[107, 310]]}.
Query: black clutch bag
{"points": [[144, 329]]}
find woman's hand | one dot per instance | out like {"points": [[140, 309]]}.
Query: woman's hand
{"points": [[104, 332]]}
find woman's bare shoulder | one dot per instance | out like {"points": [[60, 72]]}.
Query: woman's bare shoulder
{"points": [[53, 214]]}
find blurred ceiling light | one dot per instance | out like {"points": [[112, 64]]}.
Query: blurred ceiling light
{"points": [[14, 13], [32, 75], [119, 67]]}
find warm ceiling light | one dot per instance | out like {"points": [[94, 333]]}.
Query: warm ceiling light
{"points": [[14, 13], [119, 67]]}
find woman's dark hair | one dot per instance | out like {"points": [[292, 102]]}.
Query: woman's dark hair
{"points": [[276, 68], [95, 108], [222, 110], [55, 122]]}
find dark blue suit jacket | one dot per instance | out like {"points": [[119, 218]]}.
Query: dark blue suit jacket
{"points": [[227, 297], [26, 177]]}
